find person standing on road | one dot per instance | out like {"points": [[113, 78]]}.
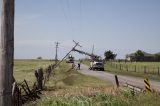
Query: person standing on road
{"points": [[79, 65]]}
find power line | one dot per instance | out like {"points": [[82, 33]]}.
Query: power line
{"points": [[63, 10], [67, 14], [80, 18]]}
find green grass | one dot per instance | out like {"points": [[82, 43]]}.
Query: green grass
{"points": [[62, 83], [70, 88], [151, 71], [67, 83], [151, 67], [103, 99]]}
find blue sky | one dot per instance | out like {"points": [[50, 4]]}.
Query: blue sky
{"points": [[122, 26]]}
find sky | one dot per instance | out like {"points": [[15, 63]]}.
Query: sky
{"points": [[122, 26]]}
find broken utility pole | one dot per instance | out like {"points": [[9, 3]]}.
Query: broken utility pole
{"points": [[6, 52], [76, 44]]}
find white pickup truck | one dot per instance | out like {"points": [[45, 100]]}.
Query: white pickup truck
{"points": [[95, 65]]}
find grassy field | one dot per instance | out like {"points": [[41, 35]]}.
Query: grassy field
{"points": [[70, 88], [24, 69], [151, 67], [139, 69]]}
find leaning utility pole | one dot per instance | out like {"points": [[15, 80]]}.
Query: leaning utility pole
{"points": [[56, 56], [76, 44], [6, 52]]}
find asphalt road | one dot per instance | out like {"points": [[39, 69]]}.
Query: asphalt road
{"points": [[136, 81]]}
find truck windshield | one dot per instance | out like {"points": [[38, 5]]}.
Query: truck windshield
{"points": [[98, 63]]}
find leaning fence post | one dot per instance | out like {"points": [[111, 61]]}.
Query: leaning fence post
{"points": [[116, 79], [39, 77], [40, 80]]}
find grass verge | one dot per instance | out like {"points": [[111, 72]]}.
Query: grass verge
{"points": [[104, 99]]}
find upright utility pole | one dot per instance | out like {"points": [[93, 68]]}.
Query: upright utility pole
{"points": [[6, 52], [56, 56], [92, 49]]}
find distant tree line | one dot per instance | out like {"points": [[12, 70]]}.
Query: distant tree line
{"points": [[140, 55]]}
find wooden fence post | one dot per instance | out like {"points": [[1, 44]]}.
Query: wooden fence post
{"points": [[48, 73], [6, 52], [153, 70], [39, 77], [145, 69], [135, 68], [158, 70], [116, 79], [120, 66], [127, 67]]}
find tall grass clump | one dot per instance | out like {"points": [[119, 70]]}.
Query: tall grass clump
{"points": [[103, 99]]}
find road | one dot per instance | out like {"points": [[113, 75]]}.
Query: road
{"points": [[136, 81]]}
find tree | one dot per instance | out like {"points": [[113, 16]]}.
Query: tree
{"points": [[139, 55], [39, 58], [109, 55]]}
